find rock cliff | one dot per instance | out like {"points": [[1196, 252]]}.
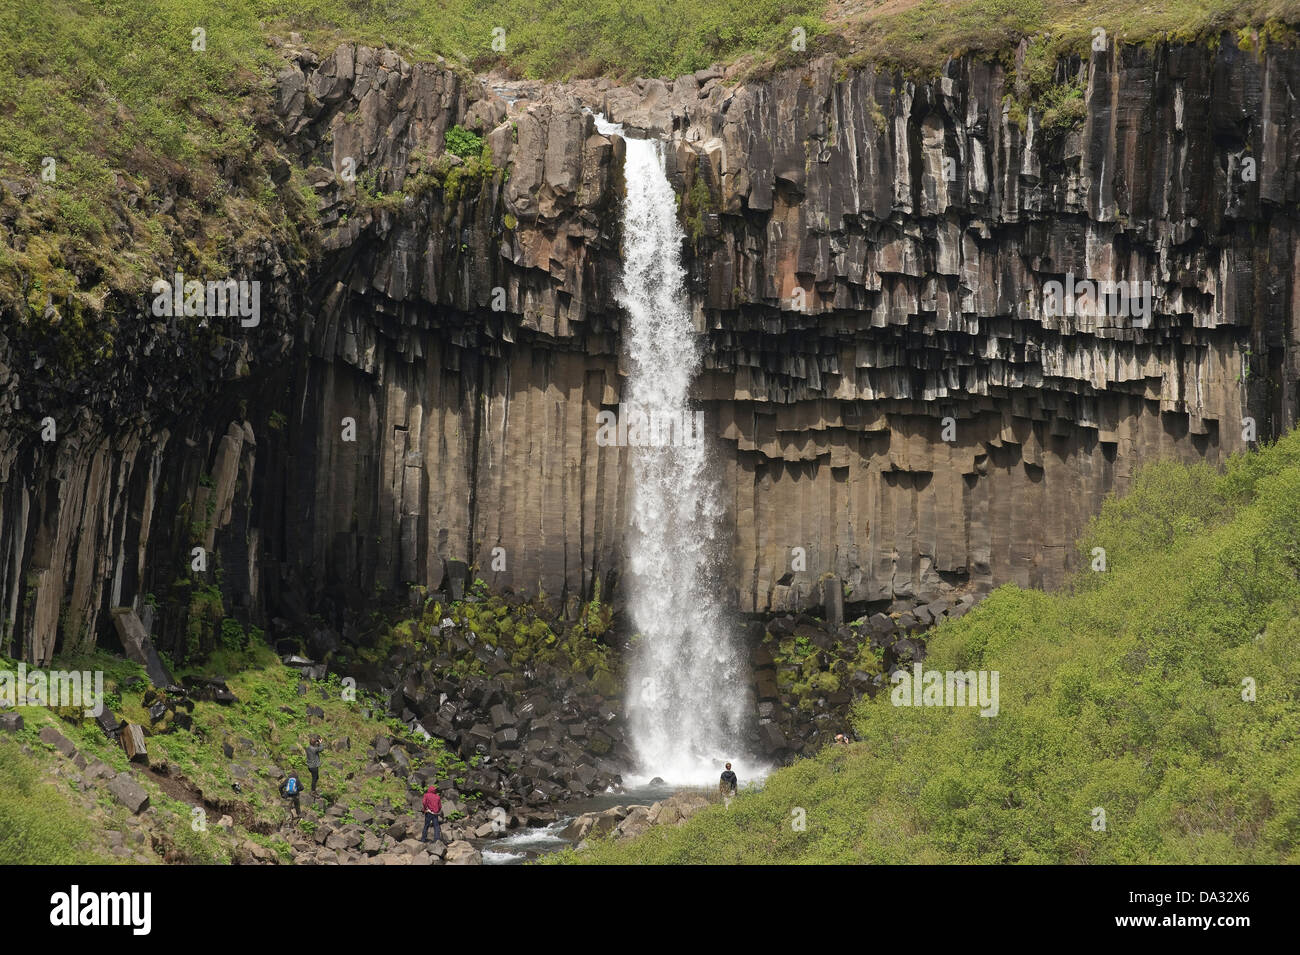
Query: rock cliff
{"points": [[897, 392]]}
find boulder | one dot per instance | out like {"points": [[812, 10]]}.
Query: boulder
{"points": [[577, 829], [909, 649], [260, 853], [129, 793], [111, 725], [400, 829], [462, 853], [937, 610], [133, 743], [638, 821], [607, 821]]}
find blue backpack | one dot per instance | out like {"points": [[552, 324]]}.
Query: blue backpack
{"points": [[291, 785]]}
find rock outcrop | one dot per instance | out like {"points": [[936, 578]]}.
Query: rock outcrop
{"points": [[624, 823]]}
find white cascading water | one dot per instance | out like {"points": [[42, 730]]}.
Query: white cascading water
{"points": [[686, 697]]}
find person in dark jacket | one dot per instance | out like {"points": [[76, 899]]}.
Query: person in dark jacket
{"points": [[314, 749], [432, 813], [727, 782]]}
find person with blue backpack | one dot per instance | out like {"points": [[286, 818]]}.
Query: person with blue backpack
{"points": [[291, 790]]}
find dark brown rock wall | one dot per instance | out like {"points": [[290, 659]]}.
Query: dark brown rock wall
{"points": [[470, 329]]}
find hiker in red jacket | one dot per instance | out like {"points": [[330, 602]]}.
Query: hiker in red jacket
{"points": [[432, 810]]}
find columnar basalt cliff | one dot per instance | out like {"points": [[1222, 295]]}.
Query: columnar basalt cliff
{"points": [[887, 383]]}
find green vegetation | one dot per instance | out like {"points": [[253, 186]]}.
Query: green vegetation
{"points": [[267, 728], [920, 36], [130, 100], [1060, 104], [39, 823], [107, 111], [697, 204], [271, 713], [204, 630], [806, 672], [1124, 693], [463, 143], [474, 171], [526, 632]]}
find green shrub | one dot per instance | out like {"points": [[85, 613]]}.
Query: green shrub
{"points": [[463, 143]]}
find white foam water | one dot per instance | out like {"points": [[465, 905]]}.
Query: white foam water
{"points": [[686, 698]]}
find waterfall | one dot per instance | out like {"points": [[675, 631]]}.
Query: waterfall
{"points": [[687, 688]]}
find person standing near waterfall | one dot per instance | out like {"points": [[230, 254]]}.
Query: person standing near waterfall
{"points": [[432, 804], [727, 784]]}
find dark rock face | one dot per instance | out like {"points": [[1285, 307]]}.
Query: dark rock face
{"points": [[521, 759], [869, 258]]}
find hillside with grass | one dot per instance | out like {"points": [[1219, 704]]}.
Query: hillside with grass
{"points": [[224, 755], [1163, 690], [227, 761]]}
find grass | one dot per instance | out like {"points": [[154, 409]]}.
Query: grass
{"points": [[268, 728], [921, 36], [39, 823], [1125, 694], [272, 715]]}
